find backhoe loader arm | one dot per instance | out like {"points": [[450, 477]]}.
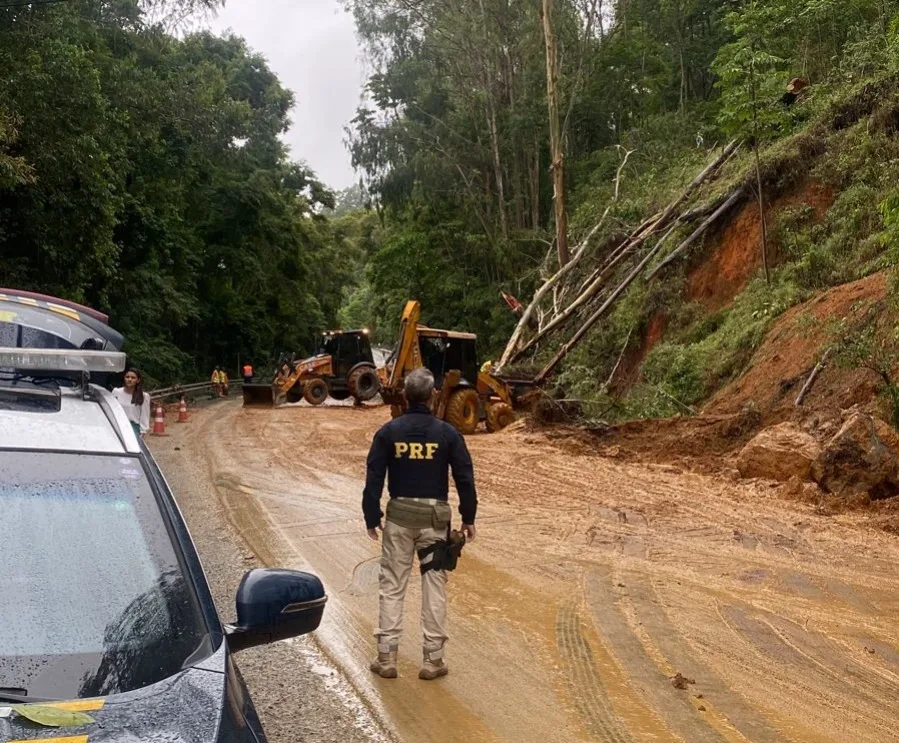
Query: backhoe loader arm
{"points": [[408, 356]]}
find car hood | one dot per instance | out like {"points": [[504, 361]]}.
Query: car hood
{"points": [[195, 706]]}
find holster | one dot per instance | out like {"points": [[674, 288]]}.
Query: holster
{"points": [[445, 553]]}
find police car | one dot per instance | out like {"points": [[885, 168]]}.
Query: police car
{"points": [[107, 623]]}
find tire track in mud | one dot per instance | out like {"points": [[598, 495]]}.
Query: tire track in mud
{"points": [[627, 488], [809, 679], [643, 645], [778, 655], [585, 686], [719, 546], [716, 544], [643, 487], [646, 631], [740, 649], [646, 670], [721, 538]]}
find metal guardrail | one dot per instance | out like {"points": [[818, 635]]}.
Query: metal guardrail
{"points": [[188, 390]]}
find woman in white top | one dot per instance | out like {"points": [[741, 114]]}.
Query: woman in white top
{"points": [[134, 401]]}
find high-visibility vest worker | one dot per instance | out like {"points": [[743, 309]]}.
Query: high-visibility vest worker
{"points": [[217, 381], [247, 372]]}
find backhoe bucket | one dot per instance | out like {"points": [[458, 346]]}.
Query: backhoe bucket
{"points": [[259, 395]]}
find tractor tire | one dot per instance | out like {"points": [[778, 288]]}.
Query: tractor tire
{"points": [[363, 383], [396, 411], [315, 391], [462, 410], [499, 415], [295, 393]]}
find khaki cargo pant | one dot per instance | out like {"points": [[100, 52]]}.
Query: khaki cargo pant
{"points": [[399, 545]]}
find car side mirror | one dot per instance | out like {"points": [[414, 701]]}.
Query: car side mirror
{"points": [[275, 604]]}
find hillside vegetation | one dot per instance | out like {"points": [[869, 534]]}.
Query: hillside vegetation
{"points": [[454, 148]]}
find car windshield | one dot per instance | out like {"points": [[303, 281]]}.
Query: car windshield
{"points": [[94, 597]]}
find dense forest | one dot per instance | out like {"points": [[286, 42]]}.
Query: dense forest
{"points": [[141, 172]]}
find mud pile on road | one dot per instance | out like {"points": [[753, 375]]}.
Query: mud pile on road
{"points": [[844, 462], [702, 443]]}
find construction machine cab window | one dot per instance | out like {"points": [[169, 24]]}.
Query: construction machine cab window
{"points": [[441, 354], [346, 349], [433, 356]]}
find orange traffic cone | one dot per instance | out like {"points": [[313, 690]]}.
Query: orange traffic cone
{"points": [[159, 421], [182, 411]]}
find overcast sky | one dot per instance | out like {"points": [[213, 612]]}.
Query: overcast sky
{"points": [[311, 46]]}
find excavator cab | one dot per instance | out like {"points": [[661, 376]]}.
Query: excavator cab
{"points": [[447, 351]]}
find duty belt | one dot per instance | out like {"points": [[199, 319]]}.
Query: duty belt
{"points": [[413, 514]]}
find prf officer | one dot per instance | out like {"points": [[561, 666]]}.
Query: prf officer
{"points": [[418, 451]]}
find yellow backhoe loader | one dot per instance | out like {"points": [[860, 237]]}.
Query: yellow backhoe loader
{"points": [[343, 367], [466, 393]]}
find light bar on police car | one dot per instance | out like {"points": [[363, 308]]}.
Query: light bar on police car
{"points": [[62, 360]]}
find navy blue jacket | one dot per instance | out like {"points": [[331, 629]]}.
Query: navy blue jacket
{"points": [[418, 450]]}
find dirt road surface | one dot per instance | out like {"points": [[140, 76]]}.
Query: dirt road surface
{"points": [[603, 601]]}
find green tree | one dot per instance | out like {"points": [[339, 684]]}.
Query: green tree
{"points": [[143, 173], [751, 87]]}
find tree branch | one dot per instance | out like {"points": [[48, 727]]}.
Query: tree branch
{"points": [[544, 290], [627, 154]]}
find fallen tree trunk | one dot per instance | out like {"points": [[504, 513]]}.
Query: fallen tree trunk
{"points": [[544, 290], [553, 281], [673, 399], [699, 231], [710, 169], [634, 241], [611, 378], [598, 280], [591, 321], [806, 388], [702, 211], [660, 219]]}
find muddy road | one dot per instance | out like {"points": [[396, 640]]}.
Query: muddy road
{"points": [[593, 583]]}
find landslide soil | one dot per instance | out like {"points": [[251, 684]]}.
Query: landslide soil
{"points": [[593, 583], [795, 344], [736, 255]]}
